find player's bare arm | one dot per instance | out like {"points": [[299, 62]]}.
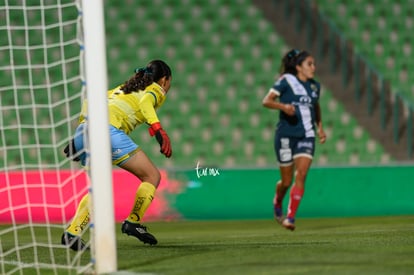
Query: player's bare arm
{"points": [[321, 133], [271, 101]]}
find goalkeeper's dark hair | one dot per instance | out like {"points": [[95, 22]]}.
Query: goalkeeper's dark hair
{"points": [[143, 77], [291, 60]]}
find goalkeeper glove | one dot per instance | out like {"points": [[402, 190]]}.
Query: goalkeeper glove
{"points": [[162, 138], [70, 151]]}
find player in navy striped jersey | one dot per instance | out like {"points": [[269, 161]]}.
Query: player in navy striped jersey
{"points": [[296, 95]]}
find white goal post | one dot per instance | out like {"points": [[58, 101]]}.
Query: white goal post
{"points": [[52, 56], [101, 166]]}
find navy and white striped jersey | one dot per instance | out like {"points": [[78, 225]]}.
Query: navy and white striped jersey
{"points": [[304, 96]]}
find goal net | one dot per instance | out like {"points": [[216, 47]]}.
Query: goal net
{"points": [[42, 86]]}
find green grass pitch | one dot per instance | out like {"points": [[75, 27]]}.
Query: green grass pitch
{"points": [[369, 245], [383, 245]]}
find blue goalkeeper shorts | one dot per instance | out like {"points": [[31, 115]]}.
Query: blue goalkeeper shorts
{"points": [[122, 146]]}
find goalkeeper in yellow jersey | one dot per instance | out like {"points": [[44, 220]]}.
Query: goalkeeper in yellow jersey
{"points": [[130, 105]]}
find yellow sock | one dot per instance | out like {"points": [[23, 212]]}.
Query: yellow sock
{"points": [[81, 218], [143, 199]]}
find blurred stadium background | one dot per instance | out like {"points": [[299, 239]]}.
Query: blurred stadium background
{"points": [[225, 56]]}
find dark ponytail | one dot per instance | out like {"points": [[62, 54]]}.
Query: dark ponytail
{"points": [[291, 60], [143, 77]]}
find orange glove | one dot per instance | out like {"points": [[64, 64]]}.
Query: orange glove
{"points": [[162, 138]]}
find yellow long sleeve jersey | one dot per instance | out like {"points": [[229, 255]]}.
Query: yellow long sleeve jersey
{"points": [[127, 111]]}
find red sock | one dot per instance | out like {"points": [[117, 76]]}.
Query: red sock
{"points": [[296, 195]]}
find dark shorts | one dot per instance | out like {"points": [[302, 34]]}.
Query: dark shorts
{"points": [[289, 148]]}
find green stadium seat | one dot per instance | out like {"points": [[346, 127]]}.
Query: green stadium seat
{"points": [[223, 60], [387, 22]]}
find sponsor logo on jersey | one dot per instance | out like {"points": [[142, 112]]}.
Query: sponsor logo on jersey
{"points": [[305, 99]]}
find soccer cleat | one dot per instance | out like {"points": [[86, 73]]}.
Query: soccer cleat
{"points": [[289, 223], [73, 242], [278, 214], [139, 231]]}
